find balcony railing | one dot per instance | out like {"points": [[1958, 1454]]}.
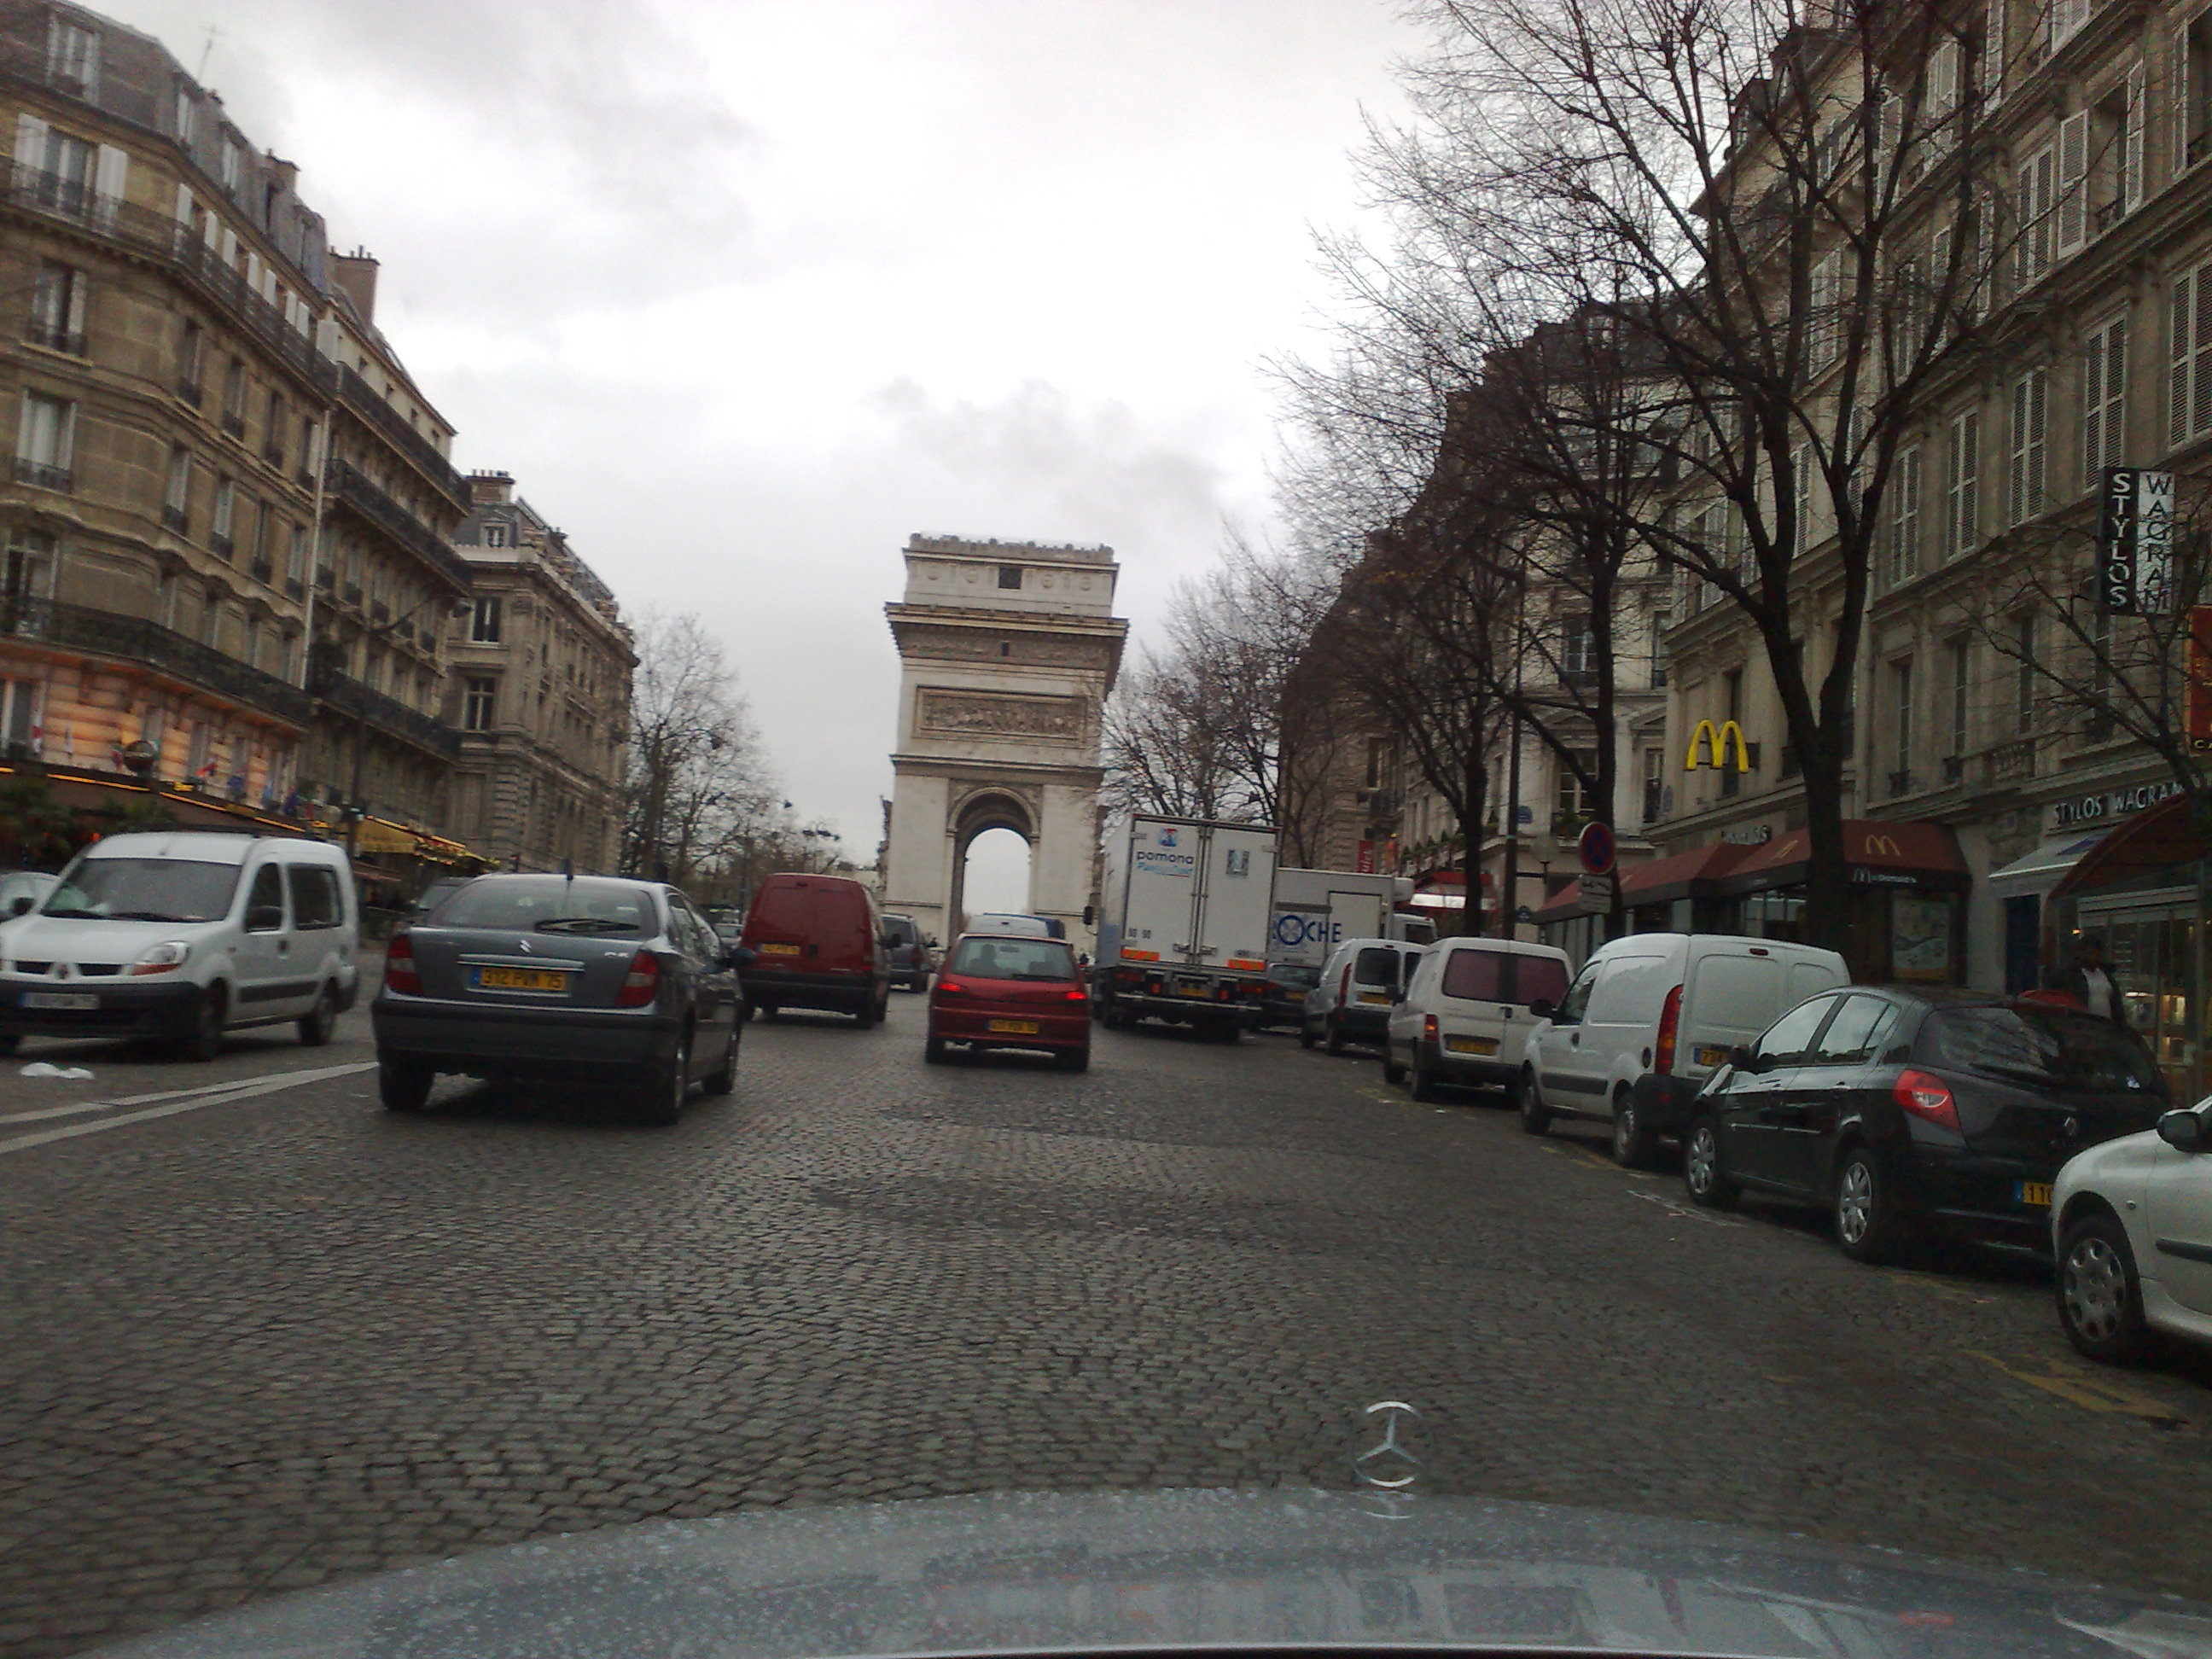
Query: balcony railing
{"points": [[1954, 769], [351, 594], [1900, 783], [295, 589], [354, 489], [192, 392], [136, 638], [42, 477], [273, 453], [263, 570], [176, 519], [55, 339], [363, 401], [234, 424], [347, 695], [2011, 760], [221, 546]]}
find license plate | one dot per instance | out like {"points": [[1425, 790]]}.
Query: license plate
{"points": [[1294, 996], [520, 979], [74, 1002], [1708, 1055], [780, 950], [1015, 1027], [1471, 1045], [2037, 1192], [1190, 990], [1381, 997]]}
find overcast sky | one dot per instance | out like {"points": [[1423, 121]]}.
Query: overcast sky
{"points": [[743, 294]]}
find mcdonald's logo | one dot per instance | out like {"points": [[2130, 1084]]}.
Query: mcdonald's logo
{"points": [[1885, 845], [1717, 743]]}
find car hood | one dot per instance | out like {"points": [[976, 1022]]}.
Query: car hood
{"points": [[64, 939], [1025, 1573]]}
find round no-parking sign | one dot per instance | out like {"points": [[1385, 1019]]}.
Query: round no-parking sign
{"points": [[1595, 846]]}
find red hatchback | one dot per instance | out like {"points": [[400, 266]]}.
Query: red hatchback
{"points": [[1002, 991]]}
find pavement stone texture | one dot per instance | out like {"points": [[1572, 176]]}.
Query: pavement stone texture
{"points": [[280, 1342]]}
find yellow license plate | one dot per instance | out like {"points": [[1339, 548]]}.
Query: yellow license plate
{"points": [[2037, 1192], [1015, 1027], [1708, 1055], [520, 979], [1294, 996], [1471, 1045], [1375, 996], [1190, 990], [779, 950]]}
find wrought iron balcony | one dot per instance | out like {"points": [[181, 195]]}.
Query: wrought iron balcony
{"points": [[349, 697], [176, 519], [140, 639], [192, 392], [354, 489], [273, 452], [55, 339], [221, 546], [361, 400], [2011, 760], [262, 571], [233, 423], [295, 589], [1900, 783], [1954, 769], [41, 477]]}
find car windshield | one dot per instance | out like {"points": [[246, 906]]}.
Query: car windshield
{"points": [[2042, 1048], [1011, 958], [144, 890], [551, 904]]}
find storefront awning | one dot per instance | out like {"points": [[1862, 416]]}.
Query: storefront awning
{"points": [[382, 835], [2044, 865], [1879, 853], [1658, 881], [2165, 838]]}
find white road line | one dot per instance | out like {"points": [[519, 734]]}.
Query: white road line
{"points": [[181, 1100]]}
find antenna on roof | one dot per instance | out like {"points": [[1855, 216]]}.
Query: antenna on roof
{"points": [[214, 34]]}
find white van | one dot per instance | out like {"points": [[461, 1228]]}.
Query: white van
{"points": [[1466, 1017], [181, 936], [1360, 983], [1652, 1016]]}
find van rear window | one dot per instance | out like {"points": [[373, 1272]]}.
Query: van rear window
{"points": [[1475, 976], [1538, 976], [1376, 966]]}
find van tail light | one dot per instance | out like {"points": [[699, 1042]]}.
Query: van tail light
{"points": [[1928, 1098], [641, 984], [1344, 987], [1670, 1020], [1428, 1028], [399, 973]]}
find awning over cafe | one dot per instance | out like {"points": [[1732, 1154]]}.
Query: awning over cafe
{"points": [[2164, 838], [1877, 853]]}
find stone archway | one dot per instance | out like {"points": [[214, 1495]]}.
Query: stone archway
{"points": [[1008, 650]]}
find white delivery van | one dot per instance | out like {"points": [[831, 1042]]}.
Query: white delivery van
{"points": [[1650, 1017], [180, 936], [1466, 1017], [1360, 984]]}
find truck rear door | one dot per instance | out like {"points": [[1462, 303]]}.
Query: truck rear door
{"points": [[1158, 917], [1236, 899]]}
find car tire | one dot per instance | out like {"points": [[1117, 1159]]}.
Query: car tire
{"points": [[660, 1101], [1073, 1059], [1534, 1120], [1232, 1033], [315, 1028], [403, 1085], [723, 1079], [1425, 1080], [1703, 1175], [1306, 1037], [932, 1051], [202, 1040], [1634, 1146], [2099, 1292], [1393, 1072], [1867, 1225], [866, 1015], [1333, 1042]]}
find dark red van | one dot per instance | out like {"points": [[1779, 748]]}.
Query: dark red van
{"points": [[816, 943]]}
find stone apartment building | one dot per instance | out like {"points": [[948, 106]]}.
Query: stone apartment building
{"points": [[539, 691]]}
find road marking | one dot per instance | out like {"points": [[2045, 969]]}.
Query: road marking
{"points": [[1686, 1212], [2082, 1388], [1935, 1286], [181, 1100]]}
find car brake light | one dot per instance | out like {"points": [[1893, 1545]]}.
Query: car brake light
{"points": [[1079, 996], [1928, 1098], [641, 984], [1428, 1028], [1344, 986], [1670, 1016], [950, 987], [399, 973]]}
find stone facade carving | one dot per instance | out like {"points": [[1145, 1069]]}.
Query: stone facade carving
{"points": [[992, 713], [965, 645]]}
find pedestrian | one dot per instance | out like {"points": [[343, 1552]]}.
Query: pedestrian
{"points": [[2090, 983]]}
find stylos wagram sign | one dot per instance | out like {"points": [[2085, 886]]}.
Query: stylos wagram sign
{"points": [[2135, 543]]}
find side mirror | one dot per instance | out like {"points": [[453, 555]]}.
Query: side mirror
{"points": [[1542, 1007], [264, 919], [1741, 1058], [20, 905], [2184, 1131]]}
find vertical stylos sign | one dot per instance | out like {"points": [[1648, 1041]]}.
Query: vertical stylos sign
{"points": [[2135, 543]]}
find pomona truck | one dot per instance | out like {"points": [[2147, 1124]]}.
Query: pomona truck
{"points": [[1182, 932], [1316, 910]]}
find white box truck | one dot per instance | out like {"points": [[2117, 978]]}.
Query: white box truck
{"points": [[1182, 927], [1316, 910]]}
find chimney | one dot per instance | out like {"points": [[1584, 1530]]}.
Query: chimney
{"points": [[491, 489], [285, 174], [356, 274]]}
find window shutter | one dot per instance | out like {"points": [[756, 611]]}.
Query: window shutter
{"points": [[30, 142], [1940, 97], [2016, 469], [75, 321], [230, 245], [1969, 452], [1800, 487], [2073, 192], [253, 273], [2038, 384], [2200, 377], [2178, 357], [1823, 286], [2093, 404], [65, 437], [184, 205], [112, 176], [2132, 144]]}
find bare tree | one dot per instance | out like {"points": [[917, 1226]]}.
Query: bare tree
{"points": [[698, 780]]}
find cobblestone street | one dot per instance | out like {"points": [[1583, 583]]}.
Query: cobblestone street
{"points": [[272, 1340]]}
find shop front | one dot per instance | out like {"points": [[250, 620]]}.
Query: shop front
{"points": [[2140, 892]]}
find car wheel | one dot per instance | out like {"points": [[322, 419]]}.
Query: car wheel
{"points": [[1867, 1225], [1335, 1040], [1702, 1175], [2099, 1293], [744, 1012], [866, 1015], [1534, 1118], [723, 1079], [1634, 1147], [315, 1028], [1425, 1080], [1074, 1060], [1393, 1072], [1306, 1037], [660, 1101], [932, 1051], [203, 1041], [403, 1085]]}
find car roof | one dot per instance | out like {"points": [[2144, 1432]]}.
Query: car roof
{"points": [[201, 845]]}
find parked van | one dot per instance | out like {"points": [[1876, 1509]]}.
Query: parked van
{"points": [[1652, 1016], [1466, 1017], [911, 957], [1360, 983], [817, 942], [181, 936]]}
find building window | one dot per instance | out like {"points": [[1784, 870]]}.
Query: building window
{"points": [[272, 441], [2024, 639], [1900, 682], [263, 555], [225, 501], [2188, 405], [2193, 69], [1660, 623], [1571, 802], [484, 619], [177, 492], [234, 399], [1960, 652], [2039, 178], [1010, 575], [1655, 785], [1904, 519], [2104, 399], [57, 308], [28, 571], [234, 163], [1963, 468], [1579, 649], [188, 363], [2024, 481], [495, 535], [187, 116], [295, 563], [476, 706], [72, 57], [45, 441]]}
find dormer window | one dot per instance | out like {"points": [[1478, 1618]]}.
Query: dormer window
{"points": [[1010, 575]]}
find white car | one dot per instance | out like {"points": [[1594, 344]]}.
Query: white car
{"points": [[1466, 1017], [2131, 1227]]}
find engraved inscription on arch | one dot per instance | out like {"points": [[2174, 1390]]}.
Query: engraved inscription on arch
{"points": [[998, 715]]}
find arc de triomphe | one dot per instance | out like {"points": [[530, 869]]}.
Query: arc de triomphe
{"points": [[1009, 649]]}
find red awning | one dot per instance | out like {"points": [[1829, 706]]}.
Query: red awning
{"points": [[1880, 853], [2162, 838]]}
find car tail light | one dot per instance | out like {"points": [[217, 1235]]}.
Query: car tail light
{"points": [[950, 987], [1670, 1017], [399, 973], [1428, 1028], [1079, 996], [641, 984], [1928, 1098]]}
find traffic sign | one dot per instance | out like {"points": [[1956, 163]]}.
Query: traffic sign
{"points": [[1595, 848]]}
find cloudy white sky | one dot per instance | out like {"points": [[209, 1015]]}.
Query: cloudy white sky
{"points": [[744, 293]]}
